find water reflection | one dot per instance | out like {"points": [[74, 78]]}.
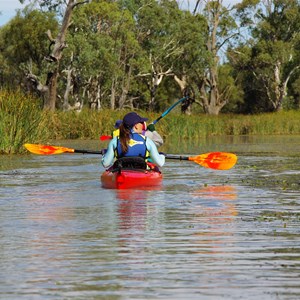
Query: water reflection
{"points": [[203, 235], [136, 194], [215, 207], [46, 207], [132, 208], [215, 201]]}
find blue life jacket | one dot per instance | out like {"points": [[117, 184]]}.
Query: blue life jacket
{"points": [[136, 147]]}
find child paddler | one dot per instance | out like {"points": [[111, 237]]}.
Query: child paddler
{"points": [[148, 131], [132, 142]]}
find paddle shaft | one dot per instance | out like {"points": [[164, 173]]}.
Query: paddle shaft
{"points": [[169, 109], [108, 137], [87, 151], [168, 156], [179, 157]]}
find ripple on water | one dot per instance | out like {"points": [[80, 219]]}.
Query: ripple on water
{"points": [[205, 234]]}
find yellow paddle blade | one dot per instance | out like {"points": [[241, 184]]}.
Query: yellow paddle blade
{"points": [[215, 160], [46, 149]]}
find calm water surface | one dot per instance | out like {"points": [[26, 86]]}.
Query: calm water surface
{"points": [[204, 234]]}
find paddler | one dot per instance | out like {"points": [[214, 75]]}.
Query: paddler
{"points": [[148, 131], [132, 142]]}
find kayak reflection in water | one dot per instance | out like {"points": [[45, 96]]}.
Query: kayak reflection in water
{"points": [[132, 142]]}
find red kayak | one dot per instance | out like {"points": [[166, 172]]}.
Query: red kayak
{"points": [[128, 173]]}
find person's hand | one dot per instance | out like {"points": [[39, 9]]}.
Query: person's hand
{"points": [[151, 127], [103, 151]]}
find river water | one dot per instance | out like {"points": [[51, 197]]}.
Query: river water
{"points": [[205, 234]]}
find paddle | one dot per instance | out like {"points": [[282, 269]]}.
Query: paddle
{"points": [[212, 160], [49, 150], [108, 137], [169, 109]]}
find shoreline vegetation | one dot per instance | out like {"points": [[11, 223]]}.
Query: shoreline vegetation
{"points": [[24, 121]]}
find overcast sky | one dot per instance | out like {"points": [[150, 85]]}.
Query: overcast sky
{"points": [[8, 7]]}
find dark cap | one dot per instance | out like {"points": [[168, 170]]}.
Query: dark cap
{"points": [[118, 123], [133, 118]]}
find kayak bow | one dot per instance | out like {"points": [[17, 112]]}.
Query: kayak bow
{"points": [[131, 172], [128, 179]]}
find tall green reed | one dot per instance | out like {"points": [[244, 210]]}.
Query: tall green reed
{"points": [[92, 124], [21, 121], [87, 124]]}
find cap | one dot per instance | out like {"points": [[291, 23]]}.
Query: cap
{"points": [[133, 118], [118, 123]]}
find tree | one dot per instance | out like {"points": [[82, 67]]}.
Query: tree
{"points": [[24, 45], [58, 44], [104, 42], [221, 29], [273, 55], [191, 37], [158, 25]]}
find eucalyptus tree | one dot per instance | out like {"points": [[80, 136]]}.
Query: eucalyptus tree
{"points": [[271, 59], [24, 46], [105, 47], [222, 30], [57, 44], [158, 26], [295, 94], [192, 61]]}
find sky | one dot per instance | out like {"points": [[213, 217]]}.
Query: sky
{"points": [[8, 7], [8, 10]]}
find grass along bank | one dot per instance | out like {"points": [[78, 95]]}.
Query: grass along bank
{"points": [[23, 121], [199, 126], [91, 124]]}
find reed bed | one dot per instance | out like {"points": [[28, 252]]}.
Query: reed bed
{"points": [[22, 120], [92, 124], [199, 126]]}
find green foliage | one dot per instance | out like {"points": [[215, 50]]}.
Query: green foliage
{"points": [[21, 121], [229, 89], [200, 126], [116, 50], [25, 38], [24, 45], [91, 125], [191, 36], [274, 53], [102, 41]]}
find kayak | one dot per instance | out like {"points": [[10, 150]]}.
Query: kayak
{"points": [[128, 179], [127, 175]]}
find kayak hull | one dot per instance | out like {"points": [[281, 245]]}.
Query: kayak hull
{"points": [[128, 179]]}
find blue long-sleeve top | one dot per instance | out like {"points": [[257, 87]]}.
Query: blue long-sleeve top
{"points": [[108, 158]]}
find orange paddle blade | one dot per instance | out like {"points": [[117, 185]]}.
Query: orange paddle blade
{"points": [[47, 149], [215, 160]]}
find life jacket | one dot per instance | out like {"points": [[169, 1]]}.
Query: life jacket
{"points": [[116, 133], [136, 147]]}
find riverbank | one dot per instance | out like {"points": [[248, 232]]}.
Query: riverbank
{"points": [[90, 124], [22, 120]]}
